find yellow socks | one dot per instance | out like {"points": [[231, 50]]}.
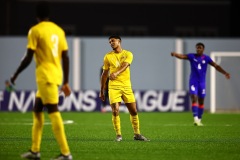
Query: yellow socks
{"points": [[59, 133], [116, 124], [117, 127], [37, 128], [135, 124]]}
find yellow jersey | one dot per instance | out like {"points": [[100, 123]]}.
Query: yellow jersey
{"points": [[48, 41], [112, 62]]}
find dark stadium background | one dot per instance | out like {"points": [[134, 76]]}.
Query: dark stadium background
{"points": [[183, 18]]}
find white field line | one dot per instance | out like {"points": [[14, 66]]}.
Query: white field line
{"points": [[30, 123]]}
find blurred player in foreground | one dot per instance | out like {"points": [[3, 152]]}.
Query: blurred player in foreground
{"points": [[197, 81], [47, 43], [116, 65]]}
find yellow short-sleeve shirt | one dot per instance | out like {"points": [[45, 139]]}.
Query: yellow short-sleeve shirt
{"points": [[48, 41], [112, 62]]}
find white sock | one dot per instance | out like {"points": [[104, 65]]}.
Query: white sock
{"points": [[195, 119]]}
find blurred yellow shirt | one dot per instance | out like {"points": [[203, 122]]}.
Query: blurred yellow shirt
{"points": [[112, 62], [48, 41]]}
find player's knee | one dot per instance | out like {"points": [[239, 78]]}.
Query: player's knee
{"points": [[115, 112]]}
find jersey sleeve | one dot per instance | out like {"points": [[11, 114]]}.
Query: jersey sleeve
{"points": [[32, 39], [64, 41], [209, 59], [105, 63], [189, 56], [129, 57]]}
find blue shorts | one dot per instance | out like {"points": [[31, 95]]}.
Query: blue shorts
{"points": [[197, 88]]}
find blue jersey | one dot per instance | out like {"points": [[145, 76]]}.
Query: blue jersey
{"points": [[199, 66]]}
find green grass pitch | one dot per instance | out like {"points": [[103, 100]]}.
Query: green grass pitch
{"points": [[91, 136]]}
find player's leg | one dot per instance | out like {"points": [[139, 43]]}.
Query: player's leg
{"points": [[129, 100], [200, 109], [194, 101], [116, 120], [201, 96], [38, 123], [37, 128], [58, 128], [50, 100], [193, 91], [135, 122], [133, 117], [115, 101]]}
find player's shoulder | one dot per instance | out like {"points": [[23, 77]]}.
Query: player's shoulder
{"points": [[109, 53], [191, 54], [127, 51], [55, 26], [206, 55], [33, 29]]}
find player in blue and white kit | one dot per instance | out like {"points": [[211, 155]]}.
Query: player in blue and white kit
{"points": [[197, 80]]}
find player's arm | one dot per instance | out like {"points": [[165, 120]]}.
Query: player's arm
{"points": [[179, 56], [103, 81], [26, 60], [121, 69], [220, 69], [65, 63]]}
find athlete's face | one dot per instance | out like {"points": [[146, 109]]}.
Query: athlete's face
{"points": [[115, 43], [199, 49]]}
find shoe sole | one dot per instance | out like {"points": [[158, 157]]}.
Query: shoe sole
{"points": [[196, 124], [146, 140], [142, 140], [118, 140], [31, 158]]}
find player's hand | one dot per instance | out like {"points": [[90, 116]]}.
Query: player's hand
{"points": [[173, 54], [113, 75], [12, 79], [227, 75], [66, 89]]}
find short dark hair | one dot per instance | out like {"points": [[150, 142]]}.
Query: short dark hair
{"points": [[115, 36], [42, 9], [200, 44]]}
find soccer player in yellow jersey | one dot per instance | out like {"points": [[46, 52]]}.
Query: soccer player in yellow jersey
{"points": [[47, 44], [116, 66]]}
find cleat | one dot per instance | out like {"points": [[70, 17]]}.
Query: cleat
{"points": [[197, 124], [140, 137], [31, 155], [63, 157], [119, 138]]}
